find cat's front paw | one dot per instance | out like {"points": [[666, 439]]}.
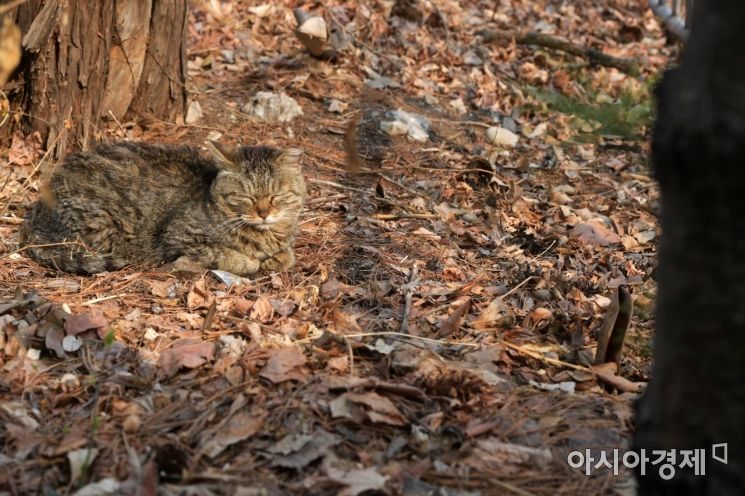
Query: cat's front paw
{"points": [[278, 262], [238, 264]]}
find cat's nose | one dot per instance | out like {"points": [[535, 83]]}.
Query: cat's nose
{"points": [[262, 212]]}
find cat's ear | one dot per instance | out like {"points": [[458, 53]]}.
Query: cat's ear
{"points": [[225, 155], [289, 157]]}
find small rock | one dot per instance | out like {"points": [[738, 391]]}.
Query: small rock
{"points": [[379, 82], [509, 124], [402, 122], [71, 343], [194, 113], [470, 218], [337, 106], [273, 108], [70, 380], [151, 334], [644, 237], [458, 105], [501, 136], [542, 294], [214, 135], [311, 32], [228, 56], [470, 58]]}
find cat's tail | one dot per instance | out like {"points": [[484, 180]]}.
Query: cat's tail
{"points": [[45, 239]]}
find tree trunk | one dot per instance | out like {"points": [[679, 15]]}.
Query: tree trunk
{"points": [[85, 61], [696, 397]]}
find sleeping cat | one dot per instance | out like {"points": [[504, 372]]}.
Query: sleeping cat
{"points": [[137, 203]]}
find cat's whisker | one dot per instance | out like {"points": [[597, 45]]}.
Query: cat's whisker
{"points": [[228, 225]]}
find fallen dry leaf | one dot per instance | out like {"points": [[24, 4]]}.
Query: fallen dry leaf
{"points": [[241, 426], [185, 353], [163, 289], [79, 460], [379, 408], [451, 324], [53, 341], [76, 324], [285, 364], [333, 288], [495, 314], [594, 234], [298, 450], [262, 310], [357, 480], [198, 296]]}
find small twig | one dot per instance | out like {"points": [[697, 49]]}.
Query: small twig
{"points": [[398, 183], [354, 162], [408, 293], [104, 298], [544, 359], [121, 128], [543, 252], [409, 336], [351, 355], [465, 123], [369, 194], [210, 316], [336, 185], [404, 215], [44, 245], [15, 221], [517, 287], [324, 199]]}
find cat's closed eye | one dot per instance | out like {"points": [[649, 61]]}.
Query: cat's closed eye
{"points": [[238, 202]]}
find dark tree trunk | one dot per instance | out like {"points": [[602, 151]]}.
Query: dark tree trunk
{"points": [[85, 61], [696, 397]]}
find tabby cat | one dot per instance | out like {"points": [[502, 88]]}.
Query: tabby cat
{"points": [[136, 203]]}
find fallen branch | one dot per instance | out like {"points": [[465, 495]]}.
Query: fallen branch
{"points": [[594, 56], [604, 372], [612, 333]]}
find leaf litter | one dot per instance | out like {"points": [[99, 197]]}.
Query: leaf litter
{"points": [[437, 333]]}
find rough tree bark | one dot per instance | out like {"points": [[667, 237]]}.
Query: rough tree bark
{"points": [[89, 60], [696, 397]]}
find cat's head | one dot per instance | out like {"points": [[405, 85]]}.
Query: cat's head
{"points": [[259, 185]]}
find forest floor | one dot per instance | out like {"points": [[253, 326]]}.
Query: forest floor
{"points": [[436, 334]]}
